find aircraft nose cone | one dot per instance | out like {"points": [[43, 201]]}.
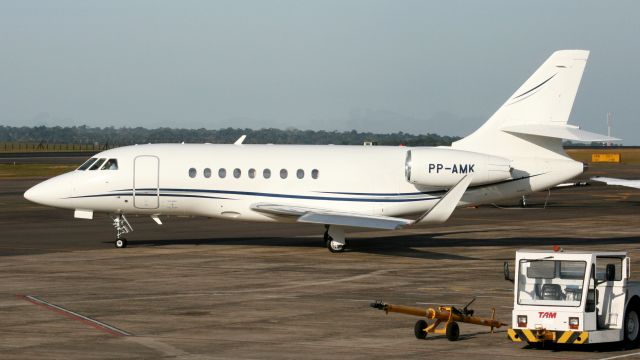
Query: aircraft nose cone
{"points": [[34, 194], [53, 192]]}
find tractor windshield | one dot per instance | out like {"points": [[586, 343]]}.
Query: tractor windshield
{"points": [[551, 282]]}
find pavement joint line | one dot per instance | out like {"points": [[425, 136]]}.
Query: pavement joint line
{"points": [[112, 330], [621, 356]]}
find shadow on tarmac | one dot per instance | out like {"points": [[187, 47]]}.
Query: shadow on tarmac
{"points": [[415, 246]]}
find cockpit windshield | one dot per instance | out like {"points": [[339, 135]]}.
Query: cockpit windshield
{"points": [[102, 164], [87, 163], [551, 282], [97, 164], [111, 164]]}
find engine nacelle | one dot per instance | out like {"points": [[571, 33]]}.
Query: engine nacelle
{"points": [[440, 167]]}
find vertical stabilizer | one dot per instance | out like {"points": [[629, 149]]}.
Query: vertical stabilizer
{"points": [[543, 103]]}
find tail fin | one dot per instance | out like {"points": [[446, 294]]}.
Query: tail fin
{"points": [[533, 121]]}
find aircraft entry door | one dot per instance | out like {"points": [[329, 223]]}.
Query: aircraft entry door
{"points": [[146, 176]]}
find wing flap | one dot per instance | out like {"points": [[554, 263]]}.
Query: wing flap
{"points": [[330, 217], [388, 223]]}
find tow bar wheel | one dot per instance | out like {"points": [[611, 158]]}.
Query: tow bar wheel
{"points": [[419, 329], [453, 331]]}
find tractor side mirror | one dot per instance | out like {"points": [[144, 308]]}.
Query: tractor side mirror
{"points": [[507, 272], [610, 272]]}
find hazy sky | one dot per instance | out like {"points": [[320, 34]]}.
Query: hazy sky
{"points": [[413, 66]]}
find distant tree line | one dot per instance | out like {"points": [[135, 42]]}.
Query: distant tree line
{"points": [[112, 136]]}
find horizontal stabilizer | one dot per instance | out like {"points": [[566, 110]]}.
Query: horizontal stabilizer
{"points": [[568, 132], [445, 206]]}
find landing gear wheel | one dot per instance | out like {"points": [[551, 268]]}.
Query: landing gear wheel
{"points": [[453, 331], [418, 329], [334, 246], [631, 328], [121, 243], [523, 202]]}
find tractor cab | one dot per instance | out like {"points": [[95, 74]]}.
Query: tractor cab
{"points": [[573, 297]]}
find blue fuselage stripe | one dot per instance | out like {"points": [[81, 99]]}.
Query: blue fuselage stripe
{"points": [[377, 197]]}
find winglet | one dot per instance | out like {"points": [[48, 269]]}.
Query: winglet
{"points": [[240, 140], [445, 206]]}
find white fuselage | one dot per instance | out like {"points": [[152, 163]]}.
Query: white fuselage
{"points": [[155, 179]]}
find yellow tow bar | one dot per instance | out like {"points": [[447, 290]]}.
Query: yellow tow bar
{"points": [[448, 315]]}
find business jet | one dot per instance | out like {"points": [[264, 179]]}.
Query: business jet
{"points": [[516, 152]]}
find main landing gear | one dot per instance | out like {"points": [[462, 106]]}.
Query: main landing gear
{"points": [[122, 227], [334, 239]]}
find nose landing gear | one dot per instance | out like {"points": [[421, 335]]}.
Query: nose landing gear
{"points": [[122, 226]]}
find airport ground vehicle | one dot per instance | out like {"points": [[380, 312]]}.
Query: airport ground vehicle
{"points": [[574, 298]]}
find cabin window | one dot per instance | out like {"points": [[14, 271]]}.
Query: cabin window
{"points": [[97, 164], [252, 173], [300, 173], [315, 173], [266, 173], [111, 164], [87, 163], [207, 173], [192, 173], [283, 173], [222, 173], [236, 173]]}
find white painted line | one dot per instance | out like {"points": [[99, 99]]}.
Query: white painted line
{"points": [[74, 315], [622, 356]]}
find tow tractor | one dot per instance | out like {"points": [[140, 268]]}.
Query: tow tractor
{"points": [[574, 298]]}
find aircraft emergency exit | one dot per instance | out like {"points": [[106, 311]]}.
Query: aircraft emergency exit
{"points": [[516, 152]]}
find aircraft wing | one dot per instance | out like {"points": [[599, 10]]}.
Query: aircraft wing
{"points": [[437, 214], [325, 216], [621, 182]]}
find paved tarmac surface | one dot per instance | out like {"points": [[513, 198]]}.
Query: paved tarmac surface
{"points": [[203, 288]]}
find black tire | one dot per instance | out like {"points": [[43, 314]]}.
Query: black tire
{"points": [[333, 247], [453, 331], [536, 345], [631, 327], [121, 243], [418, 329]]}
